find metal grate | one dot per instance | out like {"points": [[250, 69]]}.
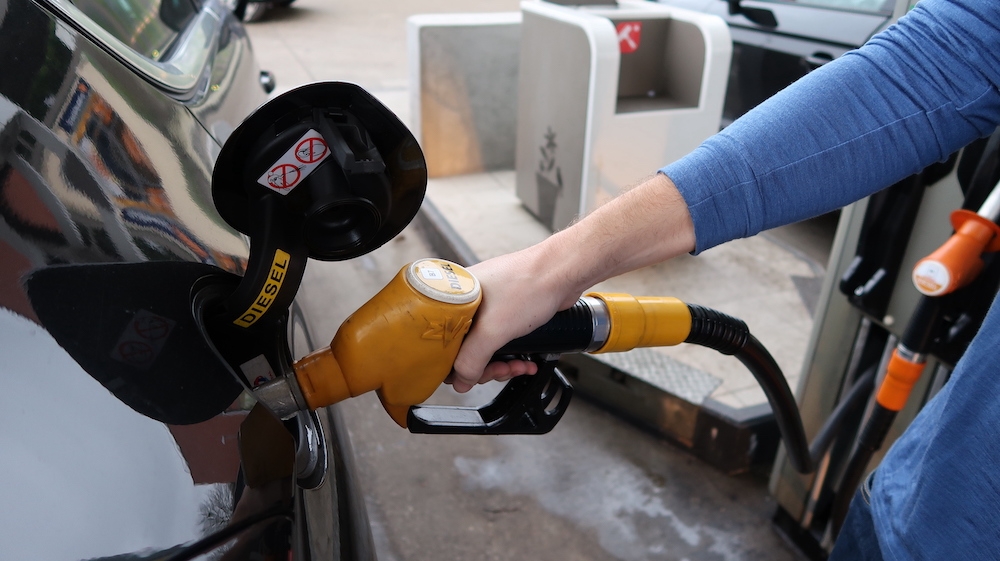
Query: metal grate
{"points": [[665, 373]]}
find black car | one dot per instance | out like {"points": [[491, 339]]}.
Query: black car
{"points": [[112, 115]]}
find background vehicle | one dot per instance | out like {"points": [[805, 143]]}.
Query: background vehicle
{"points": [[254, 11], [111, 117], [775, 42]]}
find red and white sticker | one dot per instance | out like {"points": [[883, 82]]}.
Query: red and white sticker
{"points": [[142, 339], [629, 33], [296, 163], [931, 277], [257, 371]]}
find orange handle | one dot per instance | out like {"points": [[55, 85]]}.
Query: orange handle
{"points": [[957, 262], [900, 377]]}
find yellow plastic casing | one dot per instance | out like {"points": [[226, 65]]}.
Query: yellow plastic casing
{"points": [[644, 321], [402, 343]]}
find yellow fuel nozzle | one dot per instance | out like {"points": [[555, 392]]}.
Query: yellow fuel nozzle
{"points": [[402, 343]]}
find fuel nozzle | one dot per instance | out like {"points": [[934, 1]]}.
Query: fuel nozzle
{"points": [[401, 344], [959, 260]]}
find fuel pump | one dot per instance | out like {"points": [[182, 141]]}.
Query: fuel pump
{"points": [[952, 266], [883, 344]]}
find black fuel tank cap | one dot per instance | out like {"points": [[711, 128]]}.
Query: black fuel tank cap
{"points": [[333, 164]]}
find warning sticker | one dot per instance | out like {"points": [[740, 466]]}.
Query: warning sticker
{"points": [[257, 371], [142, 339], [296, 163], [629, 33]]}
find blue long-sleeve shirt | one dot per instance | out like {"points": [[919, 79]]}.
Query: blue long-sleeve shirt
{"points": [[913, 95]]}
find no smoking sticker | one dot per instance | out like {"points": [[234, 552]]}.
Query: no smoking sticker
{"points": [[296, 163], [142, 339], [311, 150]]}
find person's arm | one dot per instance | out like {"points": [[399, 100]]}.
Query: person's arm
{"points": [[522, 290], [910, 97]]}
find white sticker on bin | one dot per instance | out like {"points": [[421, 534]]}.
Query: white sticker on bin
{"points": [[296, 163]]}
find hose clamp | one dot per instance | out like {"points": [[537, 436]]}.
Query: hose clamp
{"points": [[910, 356], [601, 319]]}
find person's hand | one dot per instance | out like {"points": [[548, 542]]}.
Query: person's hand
{"points": [[517, 299]]}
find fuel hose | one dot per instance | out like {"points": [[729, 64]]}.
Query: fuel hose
{"points": [[601, 322]]}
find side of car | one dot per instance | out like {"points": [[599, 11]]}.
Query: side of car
{"points": [[111, 117]]}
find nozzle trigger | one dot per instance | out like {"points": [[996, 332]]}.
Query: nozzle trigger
{"points": [[526, 405]]}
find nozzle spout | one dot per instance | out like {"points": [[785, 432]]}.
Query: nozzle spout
{"points": [[282, 396]]}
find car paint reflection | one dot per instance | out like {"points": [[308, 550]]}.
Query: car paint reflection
{"points": [[99, 166], [124, 471]]}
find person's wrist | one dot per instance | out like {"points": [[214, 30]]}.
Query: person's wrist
{"points": [[565, 267]]}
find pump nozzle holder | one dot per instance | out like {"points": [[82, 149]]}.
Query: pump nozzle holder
{"points": [[402, 343]]}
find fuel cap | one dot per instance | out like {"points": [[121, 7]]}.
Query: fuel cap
{"points": [[335, 165]]}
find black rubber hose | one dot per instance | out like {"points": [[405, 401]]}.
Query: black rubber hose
{"points": [[716, 330], [871, 439], [855, 398], [729, 335]]}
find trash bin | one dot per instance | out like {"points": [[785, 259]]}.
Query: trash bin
{"points": [[608, 94]]}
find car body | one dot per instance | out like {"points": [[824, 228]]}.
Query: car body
{"points": [[111, 117]]}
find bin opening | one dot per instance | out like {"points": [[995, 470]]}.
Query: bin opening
{"points": [[661, 64]]}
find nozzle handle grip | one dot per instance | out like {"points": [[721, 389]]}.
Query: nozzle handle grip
{"points": [[569, 331], [607, 322]]}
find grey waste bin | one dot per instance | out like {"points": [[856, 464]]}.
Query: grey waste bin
{"points": [[609, 94]]}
